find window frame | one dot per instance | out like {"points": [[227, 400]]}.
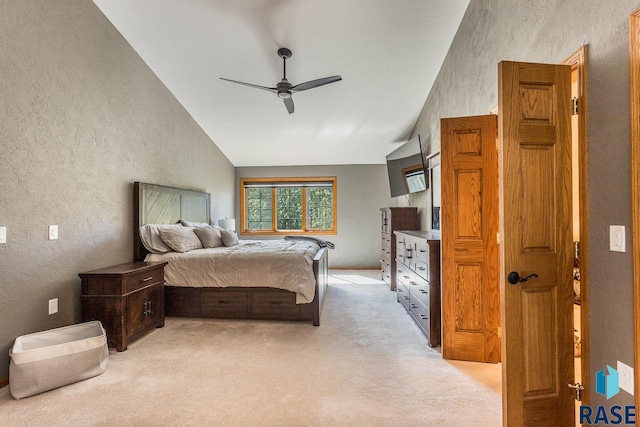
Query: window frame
{"points": [[274, 182]]}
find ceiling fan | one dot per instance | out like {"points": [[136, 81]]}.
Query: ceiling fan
{"points": [[284, 89]]}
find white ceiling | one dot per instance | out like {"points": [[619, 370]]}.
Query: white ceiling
{"points": [[388, 53]]}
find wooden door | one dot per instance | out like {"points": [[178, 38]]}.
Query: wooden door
{"points": [[535, 222], [470, 250]]}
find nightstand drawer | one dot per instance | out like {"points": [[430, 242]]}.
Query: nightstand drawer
{"points": [[140, 280]]}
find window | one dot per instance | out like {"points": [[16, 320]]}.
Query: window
{"points": [[288, 205]]}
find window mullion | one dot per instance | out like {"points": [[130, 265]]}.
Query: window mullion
{"points": [[304, 209], [274, 202]]}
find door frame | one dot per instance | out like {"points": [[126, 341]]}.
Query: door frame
{"points": [[634, 91], [578, 61]]}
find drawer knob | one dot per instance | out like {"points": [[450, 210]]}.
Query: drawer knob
{"points": [[413, 306], [423, 317], [421, 268], [413, 284], [146, 279], [275, 302], [224, 302]]}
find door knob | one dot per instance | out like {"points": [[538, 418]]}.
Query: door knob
{"points": [[514, 278]]}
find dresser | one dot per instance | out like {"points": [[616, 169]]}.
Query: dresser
{"points": [[394, 219], [127, 298], [418, 275]]}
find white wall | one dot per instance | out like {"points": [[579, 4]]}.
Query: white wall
{"points": [[81, 118]]}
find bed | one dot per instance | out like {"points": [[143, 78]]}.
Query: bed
{"points": [[218, 296]]}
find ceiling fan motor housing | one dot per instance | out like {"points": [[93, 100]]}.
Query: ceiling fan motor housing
{"points": [[284, 89]]}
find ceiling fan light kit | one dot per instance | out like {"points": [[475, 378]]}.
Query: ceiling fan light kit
{"points": [[284, 90]]}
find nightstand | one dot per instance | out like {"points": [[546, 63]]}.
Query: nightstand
{"points": [[127, 298]]}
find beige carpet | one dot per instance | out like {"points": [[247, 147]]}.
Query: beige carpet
{"points": [[366, 365]]}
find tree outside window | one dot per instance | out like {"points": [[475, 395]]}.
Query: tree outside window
{"points": [[288, 205]]}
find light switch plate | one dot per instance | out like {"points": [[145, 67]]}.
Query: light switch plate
{"points": [[53, 306], [3, 234], [625, 377], [616, 238], [53, 232]]}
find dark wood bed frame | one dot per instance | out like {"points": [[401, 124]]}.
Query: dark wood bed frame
{"points": [[157, 204]]}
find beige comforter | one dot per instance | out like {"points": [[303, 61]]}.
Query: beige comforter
{"points": [[282, 264]]}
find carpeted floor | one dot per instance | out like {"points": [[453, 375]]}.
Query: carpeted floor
{"points": [[366, 365]]}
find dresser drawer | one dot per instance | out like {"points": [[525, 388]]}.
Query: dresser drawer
{"points": [[421, 292], [403, 274], [386, 276], [421, 268], [386, 240], [400, 244], [403, 297], [140, 280], [385, 258], [422, 251], [421, 316]]}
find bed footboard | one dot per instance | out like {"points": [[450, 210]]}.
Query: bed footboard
{"points": [[321, 272]]}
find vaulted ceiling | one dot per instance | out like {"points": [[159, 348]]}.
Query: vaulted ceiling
{"points": [[387, 52]]}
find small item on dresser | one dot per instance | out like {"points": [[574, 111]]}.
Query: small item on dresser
{"points": [[50, 359]]}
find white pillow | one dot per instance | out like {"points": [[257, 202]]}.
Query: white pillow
{"points": [[150, 236], [193, 224], [229, 238], [209, 236], [180, 239]]}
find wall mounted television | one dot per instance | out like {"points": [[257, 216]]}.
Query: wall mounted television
{"points": [[406, 170]]}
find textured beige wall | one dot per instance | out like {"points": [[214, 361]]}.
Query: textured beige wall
{"points": [[550, 31], [362, 191], [81, 118]]}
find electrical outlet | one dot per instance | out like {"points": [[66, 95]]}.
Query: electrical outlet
{"points": [[53, 232], [625, 380], [3, 234], [53, 306]]}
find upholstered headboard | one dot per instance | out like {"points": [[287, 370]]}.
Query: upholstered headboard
{"points": [[157, 204]]}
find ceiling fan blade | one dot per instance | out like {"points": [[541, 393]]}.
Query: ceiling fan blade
{"points": [[315, 83], [288, 102], [270, 89]]}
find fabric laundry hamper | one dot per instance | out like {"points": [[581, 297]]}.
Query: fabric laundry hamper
{"points": [[46, 360]]}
